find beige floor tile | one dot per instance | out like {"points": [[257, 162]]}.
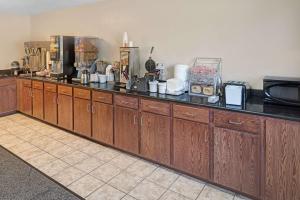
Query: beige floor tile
{"points": [[88, 164], [79, 143], [212, 193], [170, 195], [141, 168], [105, 172], [31, 153], [74, 157], [41, 141], [3, 132], [41, 160], [123, 161], [188, 187], [68, 176], [68, 138], [61, 151], [92, 149], [85, 185], [54, 167], [239, 197], [59, 134], [125, 182], [163, 177], [21, 147], [107, 154], [106, 192], [30, 136], [128, 197], [53, 144], [147, 190], [11, 142]]}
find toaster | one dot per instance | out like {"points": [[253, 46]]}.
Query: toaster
{"points": [[236, 92]]}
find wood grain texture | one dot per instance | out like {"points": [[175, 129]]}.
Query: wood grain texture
{"points": [[237, 160], [82, 117], [155, 137], [238, 121], [38, 85], [126, 129], [103, 97], [191, 147], [38, 103], [50, 107], [27, 83], [26, 100], [50, 87], [66, 90], [155, 107], [191, 113], [82, 93], [19, 94], [282, 160], [8, 95], [102, 120], [126, 101], [65, 111]]}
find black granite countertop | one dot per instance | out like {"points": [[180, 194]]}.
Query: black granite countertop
{"points": [[255, 104]]}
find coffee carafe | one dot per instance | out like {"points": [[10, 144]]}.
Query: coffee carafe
{"points": [[85, 77]]}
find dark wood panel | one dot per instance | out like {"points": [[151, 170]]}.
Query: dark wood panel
{"points": [[191, 147], [156, 107], [38, 85], [282, 160], [126, 129], [156, 137], [126, 101], [82, 93], [103, 97], [26, 83], [27, 100], [102, 119], [65, 111], [50, 87], [50, 107], [38, 103], [8, 98], [19, 95], [82, 117], [238, 121], [237, 160], [66, 90], [191, 113]]}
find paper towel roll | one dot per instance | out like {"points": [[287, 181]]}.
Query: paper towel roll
{"points": [[181, 72]]}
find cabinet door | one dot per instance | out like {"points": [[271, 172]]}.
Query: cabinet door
{"points": [[38, 103], [103, 122], [126, 129], [282, 160], [237, 160], [8, 102], [27, 100], [50, 107], [155, 137], [191, 147], [82, 117], [65, 111]]}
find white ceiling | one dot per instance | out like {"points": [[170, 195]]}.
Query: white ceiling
{"points": [[31, 7]]}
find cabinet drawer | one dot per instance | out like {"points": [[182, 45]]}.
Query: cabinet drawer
{"points": [[65, 90], [155, 107], [125, 101], [37, 85], [26, 83], [49, 87], [82, 93], [238, 121], [103, 97], [191, 113]]}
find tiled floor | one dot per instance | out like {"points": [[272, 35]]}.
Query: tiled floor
{"points": [[96, 172]]}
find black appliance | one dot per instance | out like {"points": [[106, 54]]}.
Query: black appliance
{"points": [[282, 90]]}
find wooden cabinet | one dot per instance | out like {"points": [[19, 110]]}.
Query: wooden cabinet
{"points": [[237, 160], [65, 109], [37, 100], [82, 117], [126, 129], [155, 137], [50, 103], [282, 160], [191, 147], [26, 104], [103, 122], [8, 95]]}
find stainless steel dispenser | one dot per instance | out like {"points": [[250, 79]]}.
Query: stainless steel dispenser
{"points": [[129, 64]]}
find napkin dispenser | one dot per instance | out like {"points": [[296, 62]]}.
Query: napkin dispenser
{"points": [[236, 92]]}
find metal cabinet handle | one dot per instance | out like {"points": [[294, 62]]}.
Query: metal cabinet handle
{"points": [[134, 120], [93, 109], [189, 114], [235, 122], [141, 120], [57, 102]]}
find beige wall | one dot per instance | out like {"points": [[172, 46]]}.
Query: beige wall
{"points": [[15, 30], [255, 38]]}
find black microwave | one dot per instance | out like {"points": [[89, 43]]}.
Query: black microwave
{"points": [[282, 90]]}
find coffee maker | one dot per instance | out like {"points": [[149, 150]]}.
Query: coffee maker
{"points": [[62, 55]]}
